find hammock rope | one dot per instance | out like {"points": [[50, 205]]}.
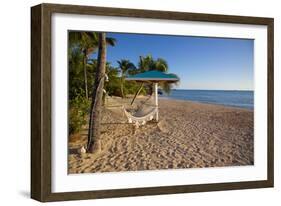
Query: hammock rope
{"points": [[144, 112], [140, 119]]}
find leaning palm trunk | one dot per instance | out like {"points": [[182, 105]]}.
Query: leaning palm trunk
{"points": [[85, 75], [96, 105]]}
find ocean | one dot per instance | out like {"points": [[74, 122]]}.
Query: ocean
{"points": [[241, 99]]}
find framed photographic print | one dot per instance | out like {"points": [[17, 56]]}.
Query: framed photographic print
{"points": [[132, 102]]}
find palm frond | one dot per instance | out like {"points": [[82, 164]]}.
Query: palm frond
{"points": [[161, 65], [111, 41]]}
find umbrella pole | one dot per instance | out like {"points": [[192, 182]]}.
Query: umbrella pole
{"points": [[156, 100]]}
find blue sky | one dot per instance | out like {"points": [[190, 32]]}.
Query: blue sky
{"points": [[200, 62]]}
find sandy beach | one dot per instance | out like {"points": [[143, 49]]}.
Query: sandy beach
{"points": [[188, 135]]}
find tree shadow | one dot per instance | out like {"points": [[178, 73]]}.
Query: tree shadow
{"points": [[115, 123], [73, 151]]}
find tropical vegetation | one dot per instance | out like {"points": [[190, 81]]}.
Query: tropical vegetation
{"points": [[87, 75]]}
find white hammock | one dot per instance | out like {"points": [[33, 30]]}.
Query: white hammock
{"points": [[146, 112], [140, 117]]}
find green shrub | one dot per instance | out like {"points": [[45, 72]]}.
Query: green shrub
{"points": [[77, 113]]}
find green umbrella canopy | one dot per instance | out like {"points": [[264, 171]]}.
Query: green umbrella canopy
{"points": [[153, 76]]}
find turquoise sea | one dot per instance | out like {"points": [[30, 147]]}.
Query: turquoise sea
{"points": [[242, 99]]}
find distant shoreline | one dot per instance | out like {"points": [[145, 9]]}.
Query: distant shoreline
{"points": [[224, 90], [162, 97], [204, 103], [240, 99]]}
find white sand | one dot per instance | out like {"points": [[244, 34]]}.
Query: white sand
{"points": [[188, 135]]}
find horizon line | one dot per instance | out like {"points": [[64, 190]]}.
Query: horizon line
{"points": [[217, 89]]}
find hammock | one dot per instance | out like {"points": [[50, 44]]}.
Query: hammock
{"points": [[145, 112], [141, 116]]}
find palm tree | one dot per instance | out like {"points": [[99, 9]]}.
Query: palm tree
{"points": [[161, 65], [88, 44], [75, 73], [147, 63], [125, 66], [96, 104]]}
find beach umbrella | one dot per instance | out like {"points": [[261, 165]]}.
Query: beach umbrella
{"points": [[154, 77]]}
